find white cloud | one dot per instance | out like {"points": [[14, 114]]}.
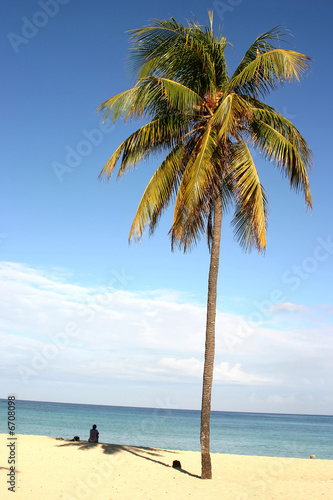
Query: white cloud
{"points": [[189, 366], [288, 307], [59, 330], [223, 372]]}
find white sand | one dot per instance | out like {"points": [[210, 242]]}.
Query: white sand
{"points": [[50, 469]]}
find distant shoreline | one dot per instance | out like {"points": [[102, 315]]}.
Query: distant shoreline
{"points": [[179, 409], [249, 434]]}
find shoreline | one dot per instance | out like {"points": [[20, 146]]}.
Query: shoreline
{"points": [[56, 468], [231, 433]]}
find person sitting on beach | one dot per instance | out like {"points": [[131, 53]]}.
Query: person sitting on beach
{"points": [[93, 435]]}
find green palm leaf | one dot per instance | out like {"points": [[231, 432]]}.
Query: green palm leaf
{"points": [[232, 110], [262, 75], [158, 193], [281, 143], [121, 105], [152, 138], [251, 202], [169, 49], [198, 173]]}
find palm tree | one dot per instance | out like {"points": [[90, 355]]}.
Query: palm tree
{"points": [[204, 123]]}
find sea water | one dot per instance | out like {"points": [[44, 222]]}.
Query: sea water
{"points": [[261, 434]]}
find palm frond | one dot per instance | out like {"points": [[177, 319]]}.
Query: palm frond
{"points": [[189, 225], [263, 43], [158, 193], [262, 73], [231, 111], [198, 173], [121, 105], [201, 179], [153, 138], [179, 96], [150, 97], [251, 211], [168, 49], [280, 142], [109, 167]]}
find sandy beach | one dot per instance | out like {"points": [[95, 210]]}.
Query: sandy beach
{"points": [[50, 468]]}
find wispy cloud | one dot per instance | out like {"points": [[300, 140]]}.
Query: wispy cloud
{"points": [[288, 307], [52, 329], [223, 372]]}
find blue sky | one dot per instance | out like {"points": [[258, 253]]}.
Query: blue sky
{"points": [[86, 317]]}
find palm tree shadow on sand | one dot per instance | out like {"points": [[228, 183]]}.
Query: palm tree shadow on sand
{"points": [[146, 453]]}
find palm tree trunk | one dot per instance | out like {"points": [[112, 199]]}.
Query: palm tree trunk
{"points": [[206, 466]]}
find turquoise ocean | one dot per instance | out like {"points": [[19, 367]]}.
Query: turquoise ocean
{"points": [[265, 434]]}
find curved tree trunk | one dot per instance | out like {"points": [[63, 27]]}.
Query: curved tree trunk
{"points": [[206, 466]]}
